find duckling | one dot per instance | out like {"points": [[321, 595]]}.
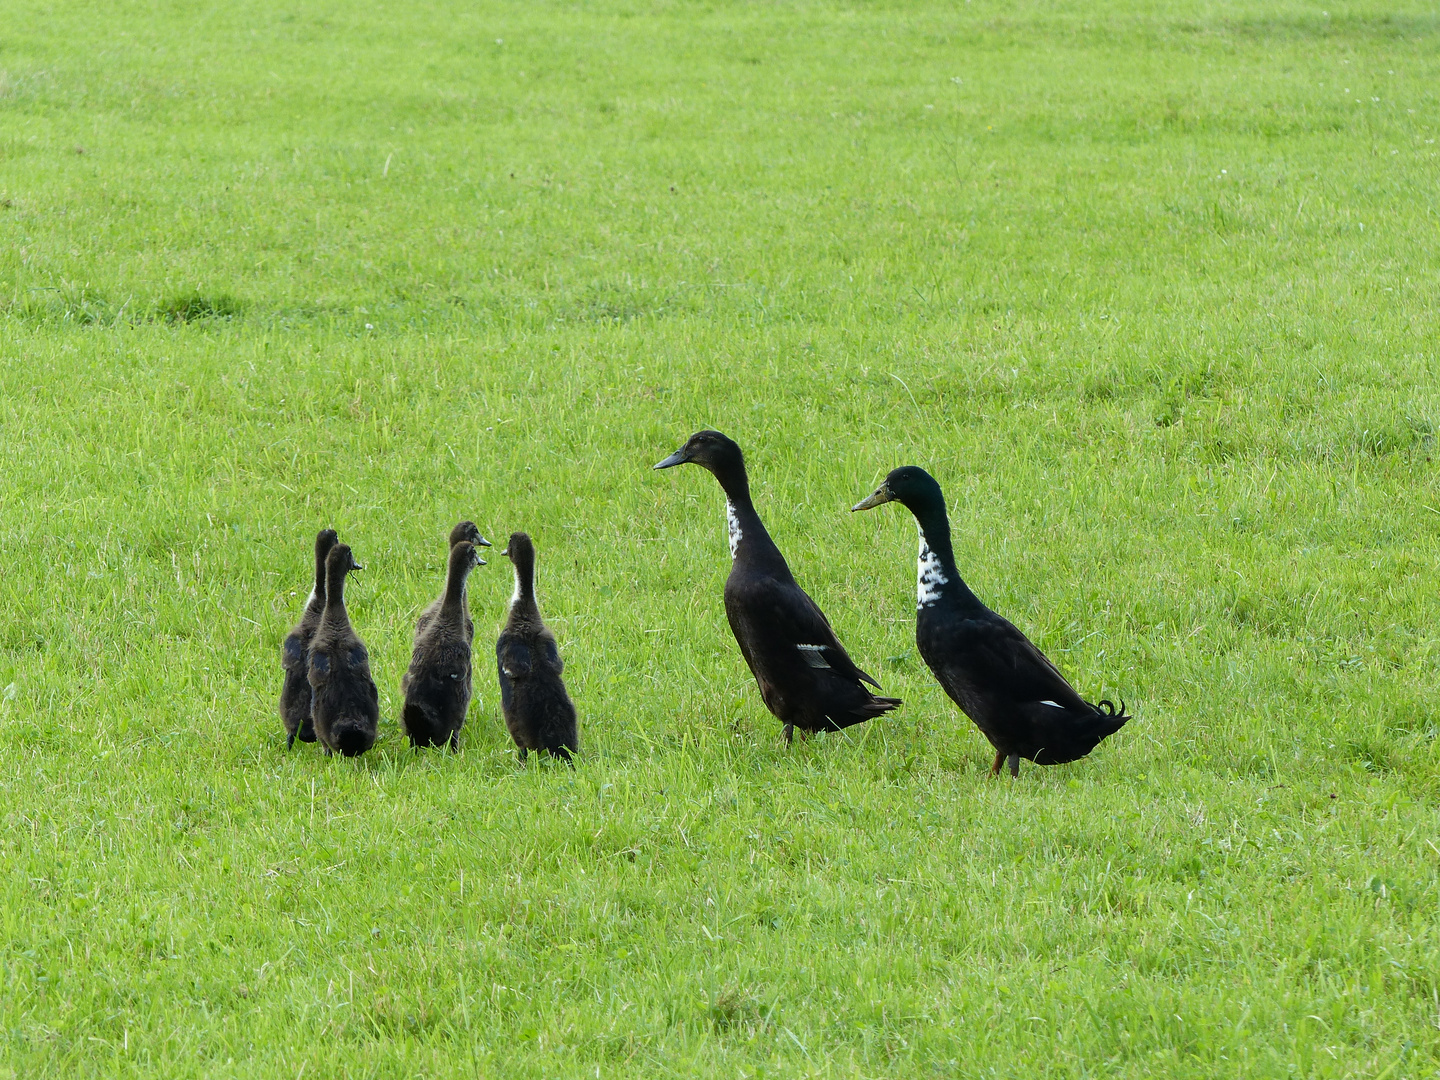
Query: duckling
{"points": [[806, 677], [345, 704], [295, 690], [437, 685], [1014, 694], [537, 709], [465, 530]]}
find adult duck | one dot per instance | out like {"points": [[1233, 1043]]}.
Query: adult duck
{"points": [[294, 654], [1017, 698], [806, 677]]}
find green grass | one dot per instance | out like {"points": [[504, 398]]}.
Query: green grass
{"points": [[1150, 288]]}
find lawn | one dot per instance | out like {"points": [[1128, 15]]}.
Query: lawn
{"points": [[1150, 288]]}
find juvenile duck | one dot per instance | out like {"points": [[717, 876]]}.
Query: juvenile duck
{"points": [[537, 709], [437, 685], [806, 678], [345, 704], [295, 690], [467, 531], [1017, 698]]}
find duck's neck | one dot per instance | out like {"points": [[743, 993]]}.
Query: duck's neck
{"points": [[937, 581], [335, 596], [453, 606], [747, 531], [317, 594], [522, 600]]}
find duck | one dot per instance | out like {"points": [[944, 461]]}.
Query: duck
{"points": [[806, 678], [437, 685], [999, 678], [345, 705], [538, 710], [468, 532], [295, 690]]}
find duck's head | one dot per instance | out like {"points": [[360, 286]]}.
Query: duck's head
{"points": [[708, 449], [340, 560], [465, 556], [519, 548], [908, 484], [467, 530], [325, 539]]}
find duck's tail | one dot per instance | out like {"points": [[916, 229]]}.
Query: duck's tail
{"points": [[1108, 718], [353, 737]]}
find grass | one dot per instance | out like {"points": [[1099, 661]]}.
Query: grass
{"points": [[1150, 288]]}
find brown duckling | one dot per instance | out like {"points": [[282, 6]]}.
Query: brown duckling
{"points": [[345, 704], [295, 690], [538, 711], [437, 685]]}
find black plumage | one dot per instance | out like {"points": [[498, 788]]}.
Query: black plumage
{"points": [[345, 704], [538, 711], [295, 690], [437, 685], [1016, 696], [806, 678]]}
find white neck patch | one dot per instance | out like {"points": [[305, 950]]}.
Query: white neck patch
{"points": [[514, 596], [733, 523], [929, 575]]}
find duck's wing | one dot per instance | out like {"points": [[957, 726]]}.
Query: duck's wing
{"points": [[292, 653], [1011, 663], [802, 621], [514, 657]]}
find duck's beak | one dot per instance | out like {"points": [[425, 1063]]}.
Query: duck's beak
{"points": [[482, 542], [677, 458], [356, 566], [479, 561], [882, 495], [505, 552]]}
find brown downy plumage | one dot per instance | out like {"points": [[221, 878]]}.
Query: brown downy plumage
{"points": [[437, 685], [295, 690], [345, 704], [537, 709], [465, 530]]}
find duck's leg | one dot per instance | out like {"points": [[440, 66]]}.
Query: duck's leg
{"points": [[789, 732], [454, 742], [290, 742], [1015, 765], [999, 760], [522, 751]]}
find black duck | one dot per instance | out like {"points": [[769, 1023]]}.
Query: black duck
{"points": [[537, 709], [806, 677], [1017, 698], [437, 685], [345, 704], [295, 690]]}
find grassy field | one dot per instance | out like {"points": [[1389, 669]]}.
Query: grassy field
{"points": [[1150, 288]]}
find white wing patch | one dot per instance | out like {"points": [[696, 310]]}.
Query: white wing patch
{"points": [[812, 655], [733, 525], [1052, 704], [929, 575], [310, 599]]}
